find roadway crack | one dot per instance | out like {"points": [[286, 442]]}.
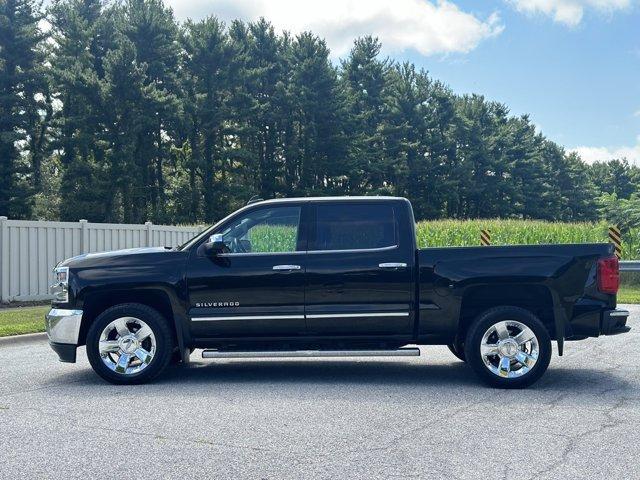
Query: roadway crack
{"points": [[573, 440]]}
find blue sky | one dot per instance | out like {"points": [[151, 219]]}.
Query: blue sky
{"points": [[572, 65], [580, 84]]}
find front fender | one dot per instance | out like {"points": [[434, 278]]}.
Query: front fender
{"points": [[156, 280]]}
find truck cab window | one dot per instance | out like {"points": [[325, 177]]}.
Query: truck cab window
{"points": [[267, 230], [357, 227]]}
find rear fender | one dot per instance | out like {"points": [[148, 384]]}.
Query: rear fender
{"points": [[445, 286]]}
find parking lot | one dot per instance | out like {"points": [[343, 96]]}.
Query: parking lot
{"points": [[424, 417]]}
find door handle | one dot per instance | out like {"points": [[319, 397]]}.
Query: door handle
{"points": [[286, 267], [391, 265]]}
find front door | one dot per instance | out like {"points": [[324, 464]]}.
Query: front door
{"points": [[256, 287], [359, 269]]}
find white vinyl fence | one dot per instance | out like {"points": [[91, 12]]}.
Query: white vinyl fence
{"points": [[30, 249]]}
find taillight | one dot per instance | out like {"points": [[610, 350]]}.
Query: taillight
{"points": [[608, 275]]}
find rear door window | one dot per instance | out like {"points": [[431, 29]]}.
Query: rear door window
{"points": [[344, 226]]}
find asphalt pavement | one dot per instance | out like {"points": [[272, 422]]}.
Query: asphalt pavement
{"points": [[416, 417]]}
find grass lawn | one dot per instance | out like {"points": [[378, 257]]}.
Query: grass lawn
{"points": [[629, 294], [15, 321]]}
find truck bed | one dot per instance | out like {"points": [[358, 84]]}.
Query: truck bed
{"points": [[458, 282], [431, 256]]}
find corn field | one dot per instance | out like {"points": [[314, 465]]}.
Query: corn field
{"points": [[442, 233], [273, 238]]}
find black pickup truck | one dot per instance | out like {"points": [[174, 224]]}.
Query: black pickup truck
{"points": [[331, 277]]}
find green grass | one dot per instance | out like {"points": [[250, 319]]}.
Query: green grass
{"points": [[629, 294], [16, 321]]}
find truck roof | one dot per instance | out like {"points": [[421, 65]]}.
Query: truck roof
{"points": [[330, 199]]}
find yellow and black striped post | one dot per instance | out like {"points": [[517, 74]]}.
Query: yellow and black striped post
{"points": [[616, 239], [485, 237]]}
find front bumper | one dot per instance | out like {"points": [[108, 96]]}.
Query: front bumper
{"points": [[63, 330]]}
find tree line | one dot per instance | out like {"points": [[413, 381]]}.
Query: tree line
{"points": [[116, 112]]}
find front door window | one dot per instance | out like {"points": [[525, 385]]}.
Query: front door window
{"points": [[268, 230]]}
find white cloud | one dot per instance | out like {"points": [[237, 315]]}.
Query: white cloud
{"points": [[599, 154], [569, 12], [429, 27]]}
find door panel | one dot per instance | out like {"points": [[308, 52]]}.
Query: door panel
{"points": [[256, 286], [242, 295], [352, 290], [347, 293]]}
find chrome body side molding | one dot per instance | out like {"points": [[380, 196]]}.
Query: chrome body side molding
{"points": [[300, 317], [248, 317]]}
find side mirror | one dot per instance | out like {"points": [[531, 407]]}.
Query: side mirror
{"points": [[215, 245]]}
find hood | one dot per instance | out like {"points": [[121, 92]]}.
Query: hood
{"points": [[87, 259]]}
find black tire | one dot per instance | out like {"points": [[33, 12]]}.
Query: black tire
{"points": [[492, 317], [458, 351], [161, 331]]}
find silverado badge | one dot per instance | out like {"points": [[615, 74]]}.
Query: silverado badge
{"points": [[216, 304]]}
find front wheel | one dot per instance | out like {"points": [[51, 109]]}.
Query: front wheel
{"points": [[129, 343], [508, 347]]}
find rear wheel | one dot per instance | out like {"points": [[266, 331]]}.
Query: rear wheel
{"points": [[508, 347], [129, 343]]}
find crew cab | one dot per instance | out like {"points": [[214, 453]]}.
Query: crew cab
{"points": [[331, 277]]}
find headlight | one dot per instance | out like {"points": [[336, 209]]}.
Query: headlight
{"points": [[60, 289]]}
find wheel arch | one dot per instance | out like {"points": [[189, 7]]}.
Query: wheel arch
{"points": [[535, 298], [157, 298]]}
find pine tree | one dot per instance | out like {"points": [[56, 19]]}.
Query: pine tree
{"points": [[264, 75], [526, 187], [128, 116], [363, 77], [153, 32], [615, 176], [419, 121], [123, 88], [315, 144], [20, 40], [477, 123], [207, 65], [76, 70]]}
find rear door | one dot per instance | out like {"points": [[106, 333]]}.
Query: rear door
{"points": [[359, 269]]}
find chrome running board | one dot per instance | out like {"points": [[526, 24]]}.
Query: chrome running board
{"points": [[396, 352]]}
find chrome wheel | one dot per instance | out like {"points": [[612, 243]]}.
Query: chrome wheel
{"points": [[509, 349], [127, 345]]}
